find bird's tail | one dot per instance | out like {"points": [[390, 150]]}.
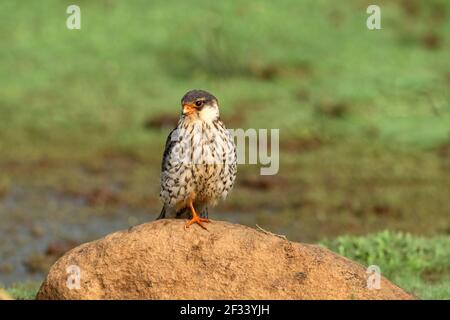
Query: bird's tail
{"points": [[169, 212], [162, 215]]}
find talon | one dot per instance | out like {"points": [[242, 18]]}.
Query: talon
{"points": [[195, 218], [198, 220]]}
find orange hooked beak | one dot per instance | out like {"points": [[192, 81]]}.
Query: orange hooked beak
{"points": [[188, 109]]}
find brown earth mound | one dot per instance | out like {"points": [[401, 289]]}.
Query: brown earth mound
{"points": [[162, 260]]}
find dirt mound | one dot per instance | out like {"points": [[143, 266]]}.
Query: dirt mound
{"points": [[162, 260]]}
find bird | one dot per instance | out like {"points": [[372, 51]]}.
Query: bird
{"points": [[199, 163]]}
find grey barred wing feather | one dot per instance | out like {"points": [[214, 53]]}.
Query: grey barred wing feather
{"points": [[170, 143], [167, 174]]}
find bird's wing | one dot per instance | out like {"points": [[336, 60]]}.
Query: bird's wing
{"points": [[168, 148]]}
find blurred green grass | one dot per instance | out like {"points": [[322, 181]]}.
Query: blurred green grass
{"points": [[24, 290], [132, 60], [417, 264]]}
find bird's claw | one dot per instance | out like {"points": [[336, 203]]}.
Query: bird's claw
{"points": [[198, 220]]}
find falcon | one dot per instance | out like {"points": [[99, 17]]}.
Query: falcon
{"points": [[199, 162]]}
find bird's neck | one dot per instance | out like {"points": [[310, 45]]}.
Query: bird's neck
{"points": [[206, 116]]}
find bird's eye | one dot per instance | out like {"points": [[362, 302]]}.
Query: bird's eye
{"points": [[198, 103]]}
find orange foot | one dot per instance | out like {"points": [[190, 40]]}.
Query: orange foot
{"points": [[195, 218]]}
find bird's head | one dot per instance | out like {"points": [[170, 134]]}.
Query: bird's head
{"points": [[199, 104]]}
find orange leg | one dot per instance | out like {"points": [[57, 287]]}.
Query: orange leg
{"points": [[195, 218]]}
